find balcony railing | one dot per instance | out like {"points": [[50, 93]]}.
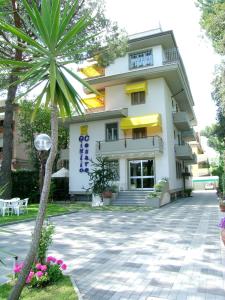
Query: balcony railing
{"points": [[170, 56], [181, 120], [129, 146], [184, 152]]}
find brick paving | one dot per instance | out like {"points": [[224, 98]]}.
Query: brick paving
{"points": [[173, 252]]}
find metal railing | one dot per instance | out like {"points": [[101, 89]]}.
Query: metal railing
{"points": [[171, 55], [129, 144]]}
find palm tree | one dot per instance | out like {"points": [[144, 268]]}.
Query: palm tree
{"points": [[57, 40]]}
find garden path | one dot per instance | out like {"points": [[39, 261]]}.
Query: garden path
{"points": [[173, 252]]}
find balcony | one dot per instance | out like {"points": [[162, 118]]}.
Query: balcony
{"points": [[151, 144], [189, 135], [183, 152], [192, 161], [181, 121], [170, 56]]}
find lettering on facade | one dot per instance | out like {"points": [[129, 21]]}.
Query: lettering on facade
{"points": [[84, 153]]}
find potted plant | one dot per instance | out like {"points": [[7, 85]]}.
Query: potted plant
{"points": [[222, 226], [187, 192], [222, 204], [160, 196], [101, 177]]}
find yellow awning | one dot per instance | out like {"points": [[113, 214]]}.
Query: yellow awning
{"points": [[152, 120], [93, 102], [136, 87], [92, 71]]}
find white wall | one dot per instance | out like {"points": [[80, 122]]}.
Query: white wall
{"points": [[158, 100], [121, 64], [96, 131], [170, 141]]}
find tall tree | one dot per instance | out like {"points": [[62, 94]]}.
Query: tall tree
{"points": [[40, 124], [58, 40], [12, 47]]}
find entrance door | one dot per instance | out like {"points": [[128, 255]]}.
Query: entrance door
{"points": [[141, 174]]}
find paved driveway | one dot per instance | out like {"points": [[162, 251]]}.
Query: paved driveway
{"points": [[171, 253]]}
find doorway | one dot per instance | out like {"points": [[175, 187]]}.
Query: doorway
{"points": [[141, 174]]}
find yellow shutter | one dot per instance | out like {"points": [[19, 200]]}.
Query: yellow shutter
{"points": [[152, 121], [136, 87]]}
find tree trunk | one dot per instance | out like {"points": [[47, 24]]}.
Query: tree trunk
{"points": [[6, 178], [15, 294]]}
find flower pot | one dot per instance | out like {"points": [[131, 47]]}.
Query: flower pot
{"points": [[107, 194], [222, 207], [223, 236]]}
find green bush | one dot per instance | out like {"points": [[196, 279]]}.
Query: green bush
{"points": [[45, 241], [25, 184]]}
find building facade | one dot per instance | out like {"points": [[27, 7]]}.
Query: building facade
{"points": [[142, 120]]}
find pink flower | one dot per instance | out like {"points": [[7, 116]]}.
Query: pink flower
{"points": [[64, 266], [43, 268], [59, 262], [29, 277], [39, 274], [51, 258], [38, 266], [18, 268]]}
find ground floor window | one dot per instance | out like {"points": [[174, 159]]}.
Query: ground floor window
{"points": [[179, 169], [141, 174]]}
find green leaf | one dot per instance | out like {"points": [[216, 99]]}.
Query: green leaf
{"points": [[55, 19], [52, 77], [83, 82], [23, 36], [67, 16], [38, 103], [77, 28]]}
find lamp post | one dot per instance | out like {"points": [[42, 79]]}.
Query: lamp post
{"points": [[42, 143]]}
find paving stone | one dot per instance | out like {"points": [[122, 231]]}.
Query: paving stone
{"points": [[171, 253]]}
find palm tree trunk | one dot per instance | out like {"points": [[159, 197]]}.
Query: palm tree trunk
{"points": [[15, 294]]}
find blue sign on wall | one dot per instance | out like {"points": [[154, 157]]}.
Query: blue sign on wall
{"points": [[84, 153]]}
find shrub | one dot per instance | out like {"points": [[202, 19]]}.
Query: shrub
{"points": [[45, 241], [188, 192], [25, 185]]}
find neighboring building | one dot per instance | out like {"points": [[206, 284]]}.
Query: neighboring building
{"points": [[20, 156], [201, 168], [143, 121]]}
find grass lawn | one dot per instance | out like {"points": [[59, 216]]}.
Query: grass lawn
{"points": [[62, 207], [62, 290]]}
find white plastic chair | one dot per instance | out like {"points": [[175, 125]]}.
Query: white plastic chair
{"points": [[23, 204], [2, 207], [13, 206]]}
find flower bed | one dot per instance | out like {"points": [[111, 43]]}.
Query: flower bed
{"points": [[43, 274]]}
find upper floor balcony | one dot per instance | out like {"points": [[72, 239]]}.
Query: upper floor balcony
{"points": [[129, 146], [181, 121], [183, 152], [189, 135]]}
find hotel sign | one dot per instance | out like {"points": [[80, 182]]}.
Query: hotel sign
{"points": [[84, 149]]}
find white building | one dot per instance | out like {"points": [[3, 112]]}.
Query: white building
{"points": [[143, 120]]}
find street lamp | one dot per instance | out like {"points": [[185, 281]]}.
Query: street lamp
{"points": [[42, 143]]}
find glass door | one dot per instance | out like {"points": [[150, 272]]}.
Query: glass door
{"points": [[141, 174]]}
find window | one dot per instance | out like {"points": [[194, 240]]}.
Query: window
{"points": [[137, 98], [139, 133], [114, 165], [111, 132], [178, 169], [141, 59]]}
